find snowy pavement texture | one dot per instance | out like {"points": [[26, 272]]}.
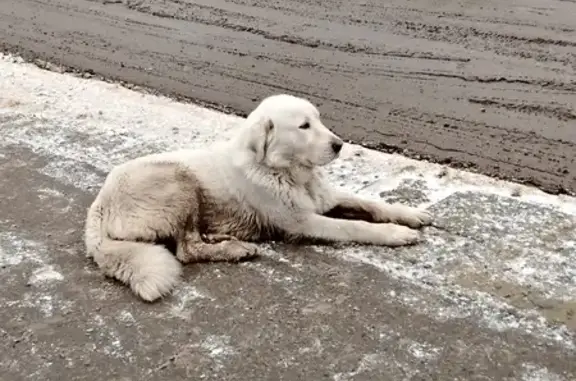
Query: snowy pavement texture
{"points": [[489, 295]]}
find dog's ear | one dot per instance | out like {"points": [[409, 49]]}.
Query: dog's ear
{"points": [[259, 128]]}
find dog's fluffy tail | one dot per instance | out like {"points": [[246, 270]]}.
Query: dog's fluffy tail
{"points": [[150, 270]]}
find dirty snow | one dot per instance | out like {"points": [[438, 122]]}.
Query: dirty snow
{"points": [[96, 125], [45, 274]]}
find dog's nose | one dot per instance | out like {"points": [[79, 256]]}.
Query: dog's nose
{"points": [[337, 145]]}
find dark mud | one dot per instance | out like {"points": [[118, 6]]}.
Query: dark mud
{"points": [[485, 85]]}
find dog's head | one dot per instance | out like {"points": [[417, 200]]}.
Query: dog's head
{"points": [[286, 131]]}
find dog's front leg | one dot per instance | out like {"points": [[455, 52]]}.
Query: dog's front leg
{"points": [[349, 206], [319, 227]]}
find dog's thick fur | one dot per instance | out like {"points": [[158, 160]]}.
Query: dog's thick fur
{"points": [[264, 183]]}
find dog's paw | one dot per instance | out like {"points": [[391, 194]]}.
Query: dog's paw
{"points": [[217, 238], [239, 250], [412, 217], [397, 235]]}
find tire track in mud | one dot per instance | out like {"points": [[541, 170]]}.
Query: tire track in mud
{"points": [[551, 110], [489, 86]]}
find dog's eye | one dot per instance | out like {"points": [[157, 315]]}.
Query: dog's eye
{"points": [[305, 126]]}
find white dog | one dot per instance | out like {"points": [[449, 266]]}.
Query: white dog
{"points": [[265, 183]]}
